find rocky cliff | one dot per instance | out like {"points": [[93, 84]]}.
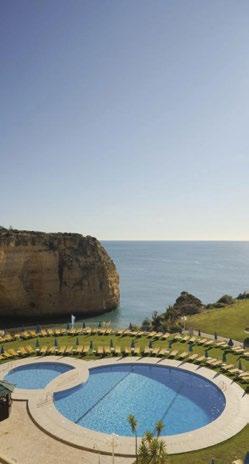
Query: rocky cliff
{"points": [[50, 275]]}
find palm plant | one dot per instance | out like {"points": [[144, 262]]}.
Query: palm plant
{"points": [[148, 436], [159, 427], [144, 454], [133, 424], [154, 446], [162, 455], [153, 450]]}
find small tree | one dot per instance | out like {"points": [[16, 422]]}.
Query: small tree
{"points": [[152, 449], [133, 425], [159, 427]]}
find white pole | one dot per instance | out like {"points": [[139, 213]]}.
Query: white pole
{"points": [[113, 457]]}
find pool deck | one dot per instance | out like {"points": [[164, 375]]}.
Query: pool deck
{"points": [[42, 415]]}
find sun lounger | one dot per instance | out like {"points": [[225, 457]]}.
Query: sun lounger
{"points": [[7, 355], [234, 371], [32, 334], [210, 361], [30, 349], [43, 350], [43, 333], [217, 363], [164, 353], [226, 367], [152, 334], [165, 336], [50, 332], [200, 359], [139, 334], [117, 350], [68, 350], [119, 332], [156, 351], [8, 338], [13, 352], [245, 380], [147, 350], [52, 350], [183, 355], [208, 343], [173, 354], [127, 351], [238, 350], [220, 344], [107, 350], [78, 349], [136, 351], [22, 352], [243, 374], [193, 357], [61, 349], [100, 350], [201, 341], [178, 337], [85, 349], [192, 340]]}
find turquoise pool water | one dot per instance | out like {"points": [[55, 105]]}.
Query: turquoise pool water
{"points": [[184, 401], [36, 375]]}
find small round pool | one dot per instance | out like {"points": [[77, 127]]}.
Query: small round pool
{"points": [[183, 400], [36, 375]]}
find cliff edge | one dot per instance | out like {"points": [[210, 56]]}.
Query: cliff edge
{"points": [[54, 274]]}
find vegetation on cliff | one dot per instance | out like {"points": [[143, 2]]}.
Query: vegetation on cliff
{"points": [[228, 316]]}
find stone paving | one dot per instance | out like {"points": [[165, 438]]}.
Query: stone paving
{"points": [[22, 442], [53, 431]]}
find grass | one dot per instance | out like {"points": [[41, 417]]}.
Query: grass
{"points": [[229, 321], [223, 453]]}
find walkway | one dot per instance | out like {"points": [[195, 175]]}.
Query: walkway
{"points": [[23, 442]]}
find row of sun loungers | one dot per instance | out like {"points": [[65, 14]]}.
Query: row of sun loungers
{"points": [[82, 350], [27, 334]]}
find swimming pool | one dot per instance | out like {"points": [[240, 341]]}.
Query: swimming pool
{"points": [[36, 375], [183, 400]]}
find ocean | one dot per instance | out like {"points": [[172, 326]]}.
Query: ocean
{"points": [[152, 274]]}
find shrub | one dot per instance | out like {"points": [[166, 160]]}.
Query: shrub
{"points": [[246, 342], [226, 300]]}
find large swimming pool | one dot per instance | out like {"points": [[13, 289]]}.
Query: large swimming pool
{"points": [[36, 375], [183, 400]]}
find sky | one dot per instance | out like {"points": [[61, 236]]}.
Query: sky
{"points": [[125, 119]]}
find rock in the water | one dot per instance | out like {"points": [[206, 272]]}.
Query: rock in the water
{"points": [[54, 274], [188, 304]]}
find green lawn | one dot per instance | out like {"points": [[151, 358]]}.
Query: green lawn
{"points": [[224, 453], [230, 321]]}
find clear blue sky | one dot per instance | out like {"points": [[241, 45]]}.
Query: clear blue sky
{"points": [[125, 119]]}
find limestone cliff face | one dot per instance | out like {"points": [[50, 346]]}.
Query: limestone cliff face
{"points": [[49, 275]]}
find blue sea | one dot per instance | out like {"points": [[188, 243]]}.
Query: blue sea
{"points": [[152, 274]]}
